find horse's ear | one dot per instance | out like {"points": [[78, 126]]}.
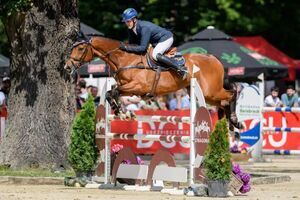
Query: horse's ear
{"points": [[81, 36]]}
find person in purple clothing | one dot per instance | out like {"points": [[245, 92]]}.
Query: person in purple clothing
{"points": [[143, 33]]}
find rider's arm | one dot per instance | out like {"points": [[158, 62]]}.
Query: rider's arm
{"points": [[145, 38], [132, 39]]}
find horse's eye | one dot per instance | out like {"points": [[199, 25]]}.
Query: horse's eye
{"points": [[80, 48]]}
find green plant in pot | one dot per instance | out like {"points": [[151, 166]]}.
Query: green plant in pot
{"points": [[217, 161], [82, 150]]}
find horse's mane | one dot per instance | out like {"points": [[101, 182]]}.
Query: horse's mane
{"points": [[106, 38]]}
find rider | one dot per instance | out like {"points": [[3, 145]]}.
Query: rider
{"points": [[142, 33]]}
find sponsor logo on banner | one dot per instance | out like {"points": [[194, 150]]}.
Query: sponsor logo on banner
{"points": [[94, 68], [233, 71], [100, 120], [248, 104], [203, 127]]}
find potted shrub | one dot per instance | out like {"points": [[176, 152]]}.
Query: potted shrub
{"points": [[82, 150], [217, 161]]}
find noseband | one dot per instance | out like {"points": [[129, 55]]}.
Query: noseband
{"points": [[80, 60]]}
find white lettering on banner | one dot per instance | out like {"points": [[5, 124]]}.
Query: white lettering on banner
{"points": [[248, 105], [168, 145], [252, 124], [160, 131], [202, 140], [283, 140], [143, 144]]}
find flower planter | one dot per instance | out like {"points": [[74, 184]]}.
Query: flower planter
{"points": [[218, 188], [240, 157]]}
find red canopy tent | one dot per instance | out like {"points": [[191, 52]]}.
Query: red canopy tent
{"points": [[262, 46]]}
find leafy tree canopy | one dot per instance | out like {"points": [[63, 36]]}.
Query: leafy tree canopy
{"points": [[277, 21]]}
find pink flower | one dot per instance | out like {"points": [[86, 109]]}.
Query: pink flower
{"points": [[116, 148], [139, 160]]}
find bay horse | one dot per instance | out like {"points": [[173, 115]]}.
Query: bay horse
{"points": [[134, 76]]}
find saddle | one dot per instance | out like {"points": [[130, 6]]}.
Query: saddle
{"points": [[159, 67], [171, 53]]}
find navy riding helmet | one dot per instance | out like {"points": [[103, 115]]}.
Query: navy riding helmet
{"points": [[128, 14]]}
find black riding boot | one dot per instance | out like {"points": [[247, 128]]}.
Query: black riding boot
{"points": [[170, 63]]}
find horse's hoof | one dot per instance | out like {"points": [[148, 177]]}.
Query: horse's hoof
{"points": [[122, 116], [240, 125], [132, 116], [116, 112]]}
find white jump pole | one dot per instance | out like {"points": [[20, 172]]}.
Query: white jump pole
{"points": [[193, 108], [257, 149], [107, 87]]}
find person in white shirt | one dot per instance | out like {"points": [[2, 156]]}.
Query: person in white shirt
{"points": [[273, 100], [131, 103]]}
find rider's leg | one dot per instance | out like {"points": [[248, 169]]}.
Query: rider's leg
{"points": [[157, 54], [162, 47]]}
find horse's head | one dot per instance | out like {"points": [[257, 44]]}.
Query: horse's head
{"points": [[82, 52]]}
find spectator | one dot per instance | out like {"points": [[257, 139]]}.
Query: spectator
{"points": [[79, 100], [5, 88], [131, 103], [89, 88], [290, 98], [180, 101], [158, 103], [273, 100], [94, 93], [83, 90]]}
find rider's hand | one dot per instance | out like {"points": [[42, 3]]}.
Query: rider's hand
{"points": [[123, 46]]}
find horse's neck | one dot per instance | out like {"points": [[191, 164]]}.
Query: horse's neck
{"points": [[116, 58]]}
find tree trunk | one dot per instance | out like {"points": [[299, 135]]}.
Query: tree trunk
{"points": [[41, 102]]}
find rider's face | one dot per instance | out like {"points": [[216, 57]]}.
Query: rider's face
{"points": [[130, 23]]}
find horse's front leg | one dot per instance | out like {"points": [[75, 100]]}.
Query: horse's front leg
{"points": [[112, 97]]}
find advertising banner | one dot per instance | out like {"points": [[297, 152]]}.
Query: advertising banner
{"points": [[278, 140]]}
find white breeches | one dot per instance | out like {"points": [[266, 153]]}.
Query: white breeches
{"points": [[162, 47]]}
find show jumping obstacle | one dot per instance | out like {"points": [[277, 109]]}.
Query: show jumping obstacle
{"points": [[274, 130], [282, 110], [257, 148], [200, 128]]}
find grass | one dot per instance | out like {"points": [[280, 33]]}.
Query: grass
{"points": [[5, 171]]}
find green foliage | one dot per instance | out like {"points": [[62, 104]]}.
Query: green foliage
{"points": [[9, 7], [187, 17], [3, 40], [217, 156], [6, 171], [82, 150]]}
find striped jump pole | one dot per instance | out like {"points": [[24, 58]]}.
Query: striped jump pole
{"points": [[281, 152], [281, 109], [281, 129], [154, 118], [129, 136]]}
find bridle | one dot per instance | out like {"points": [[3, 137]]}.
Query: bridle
{"points": [[80, 60], [102, 54]]}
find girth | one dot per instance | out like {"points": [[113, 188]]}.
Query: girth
{"points": [[156, 78]]}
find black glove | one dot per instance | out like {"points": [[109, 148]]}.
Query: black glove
{"points": [[123, 46]]}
